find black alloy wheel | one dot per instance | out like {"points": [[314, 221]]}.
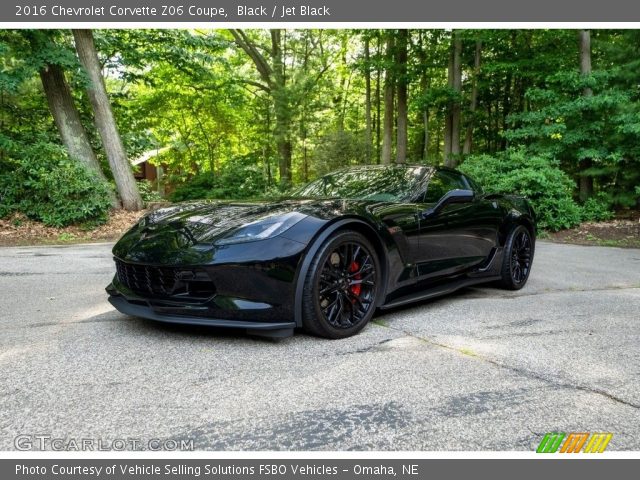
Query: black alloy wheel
{"points": [[342, 286], [521, 257], [518, 257]]}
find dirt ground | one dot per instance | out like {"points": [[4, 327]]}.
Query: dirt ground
{"points": [[18, 230], [623, 231]]}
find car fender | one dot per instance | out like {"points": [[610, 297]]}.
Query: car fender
{"points": [[313, 248]]}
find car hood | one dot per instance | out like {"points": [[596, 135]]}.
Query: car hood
{"points": [[181, 231], [207, 221]]}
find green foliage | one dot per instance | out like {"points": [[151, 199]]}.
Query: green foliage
{"points": [[338, 149], [539, 178], [46, 185], [66, 237], [148, 194], [239, 178], [595, 135], [597, 208], [197, 96], [199, 187]]}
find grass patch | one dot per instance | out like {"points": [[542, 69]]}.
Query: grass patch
{"points": [[380, 322], [615, 243], [66, 237], [467, 351]]}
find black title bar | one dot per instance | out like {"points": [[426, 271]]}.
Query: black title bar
{"points": [[312, 11], [315, 469]]}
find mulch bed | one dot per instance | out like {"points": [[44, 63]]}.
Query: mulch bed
{"points": [[624, 231], [18, 230]]}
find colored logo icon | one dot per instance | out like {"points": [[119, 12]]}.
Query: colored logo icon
{"points": [[574, 442]]}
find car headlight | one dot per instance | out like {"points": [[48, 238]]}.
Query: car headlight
{"points": [[261, 229]]}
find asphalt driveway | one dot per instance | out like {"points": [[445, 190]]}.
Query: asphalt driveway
{"points": [[483, 369]]}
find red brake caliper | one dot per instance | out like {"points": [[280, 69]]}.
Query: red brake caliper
{"points": [[355, 289]]}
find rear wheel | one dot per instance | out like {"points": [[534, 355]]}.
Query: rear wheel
{"points": [[518, 257], [341, 287]]}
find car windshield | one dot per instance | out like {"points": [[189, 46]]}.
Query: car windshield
{"points": [[392, 184]]}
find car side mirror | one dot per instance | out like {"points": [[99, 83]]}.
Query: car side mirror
{"points": [[452, 196]]}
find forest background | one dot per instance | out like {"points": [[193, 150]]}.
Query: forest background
{"points": [[246, 114]]}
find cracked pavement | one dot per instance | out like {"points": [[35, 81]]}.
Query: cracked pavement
{"points": [[483, 369]]}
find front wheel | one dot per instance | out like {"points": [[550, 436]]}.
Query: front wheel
{"points": [[518, 256], [341, 287]]}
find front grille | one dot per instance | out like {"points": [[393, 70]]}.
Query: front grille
{"points": [[148, 280]]}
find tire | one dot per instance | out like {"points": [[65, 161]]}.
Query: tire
{"points": [[518, 258], [341, 287]]}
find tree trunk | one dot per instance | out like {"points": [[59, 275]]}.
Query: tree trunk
{"points": [[344, 78], [303, 137], [367, 100], [489, 127], [389, 81], [506, 107], [437, 142], [105, 122], [496, 121], [67, 119], [585, 57], [267, 144], [452, 119], [273, 75], [282, 108], [468, 140], [449, 111], [378, 104], [455, 108], [401, 64], [425, 136], [586, 181], [423, 148], [303, 115]]}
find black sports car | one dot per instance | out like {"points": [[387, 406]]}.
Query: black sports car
{"points": [[325, 258]]}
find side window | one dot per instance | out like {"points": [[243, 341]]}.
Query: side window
{"points": [[441, 183], [474, 186]]}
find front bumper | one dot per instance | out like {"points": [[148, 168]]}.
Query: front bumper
{"points": [[249, 285], [239, 314]]}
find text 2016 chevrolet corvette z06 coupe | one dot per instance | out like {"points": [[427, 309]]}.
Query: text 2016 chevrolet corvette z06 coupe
{"points": [[325, 258]]}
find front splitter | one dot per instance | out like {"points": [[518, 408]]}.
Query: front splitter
{"points": [[265, 329]]}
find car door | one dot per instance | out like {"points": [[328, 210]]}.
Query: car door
{"points": [[402, 223], [460, 236]]}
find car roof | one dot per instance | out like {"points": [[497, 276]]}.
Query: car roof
{"points": [[377, 166], [397, 165]]}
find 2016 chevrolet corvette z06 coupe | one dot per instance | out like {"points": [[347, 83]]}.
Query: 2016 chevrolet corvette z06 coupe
{"points": [[327, 257]]}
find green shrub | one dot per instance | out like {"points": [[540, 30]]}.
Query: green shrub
{"points": [[197, 188], [46, 185], [597, 208], [239, 178], [148, 194], [338, 149], [536, 177]]}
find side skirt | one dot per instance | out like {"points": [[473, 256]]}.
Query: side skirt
{"points": [[438, 291]]}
